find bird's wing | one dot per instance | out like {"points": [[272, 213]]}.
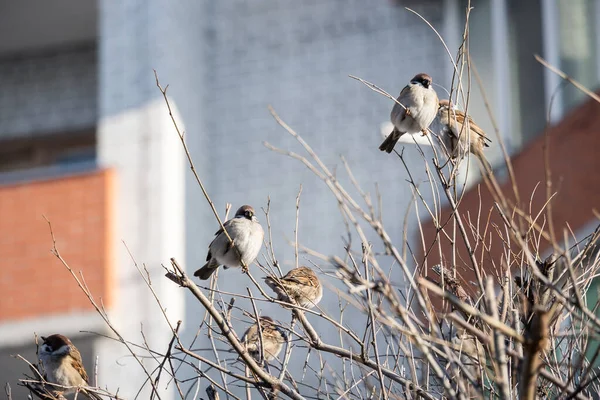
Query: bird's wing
{"points": [[404, 91], [219, 236], [77, 364], [399, 109], [460, 118], [225, 224], [298, 277], [478, 130], [293, 278]]}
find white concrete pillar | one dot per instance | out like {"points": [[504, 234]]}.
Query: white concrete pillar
{"points": [[137, 138]]}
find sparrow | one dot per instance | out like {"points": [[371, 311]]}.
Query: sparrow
{"points": [[273, 338], [300, 285], [62, 364], [456, 138], [420, 103], [247, 235]]}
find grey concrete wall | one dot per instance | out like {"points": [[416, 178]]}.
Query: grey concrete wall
{"points": [[296, 56]]}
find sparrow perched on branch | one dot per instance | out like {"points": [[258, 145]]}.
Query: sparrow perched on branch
{"points": [[247, 236], [300, 285], [62, 365], [457, 138], [273, 338], [419, 107]]}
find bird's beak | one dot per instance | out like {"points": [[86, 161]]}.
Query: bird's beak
{"points": [[43, 338]]}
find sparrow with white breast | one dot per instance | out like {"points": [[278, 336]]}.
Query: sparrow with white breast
{"points": [[419, 107], [247, 235], [457, 137], [62, 365], [273, 338], [300, 284]]}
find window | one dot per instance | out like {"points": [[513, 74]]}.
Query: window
{"points": [[577, 47], [47, 155], [504, 36], [502, 45], [527, 100]]}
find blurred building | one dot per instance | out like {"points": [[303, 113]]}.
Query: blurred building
{"points": [[545, 114], [86, 141]]}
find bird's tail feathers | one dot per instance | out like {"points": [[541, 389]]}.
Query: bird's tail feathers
{"points": [[270, 282], [274, 284], [278, 288], [207, 270], [390, 141]]}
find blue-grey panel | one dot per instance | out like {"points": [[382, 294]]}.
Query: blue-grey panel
{"points": [[48, 92]]}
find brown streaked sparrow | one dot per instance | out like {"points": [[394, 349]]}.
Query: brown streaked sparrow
{"points": [[420, 103], [300, 285], [247, 235], [62, 364], [273, 338], [455, 136]]}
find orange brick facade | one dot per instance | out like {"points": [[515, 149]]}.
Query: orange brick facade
{"points": [[34, 282], [574, 146]]}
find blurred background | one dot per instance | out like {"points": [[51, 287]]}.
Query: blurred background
{"points": [[86, 140]]}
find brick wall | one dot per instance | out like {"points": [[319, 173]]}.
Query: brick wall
{"points": [[46, 92], [33, 282]]}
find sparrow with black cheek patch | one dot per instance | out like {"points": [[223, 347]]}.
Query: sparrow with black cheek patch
{"points": [[300, 284], [457, 138], [273, 338], [419, 107], [247, 235], [62, 365]]}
